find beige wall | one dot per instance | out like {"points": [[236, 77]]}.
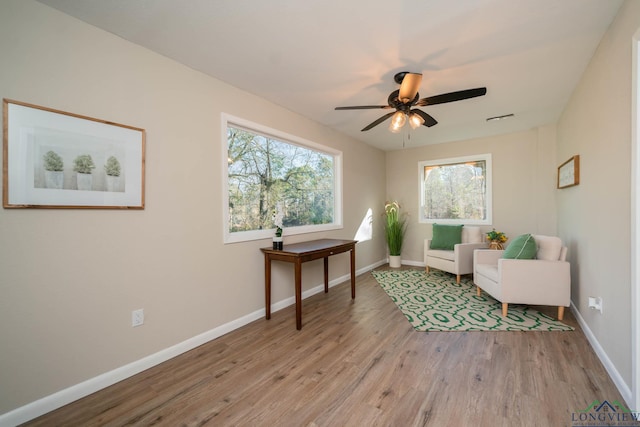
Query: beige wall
{"points": [[524, 170], [69, 279], [594, 217]]}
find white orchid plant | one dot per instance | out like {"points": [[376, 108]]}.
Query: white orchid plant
{"points": [[277, 219]]}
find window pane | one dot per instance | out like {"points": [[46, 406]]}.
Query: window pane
{"points": [[264, 171], [456, 190]]}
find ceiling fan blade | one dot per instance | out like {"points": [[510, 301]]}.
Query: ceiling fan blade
{"points": [[428, 120], [409, 87], [364, 107], [377, 122], [452, 96]]}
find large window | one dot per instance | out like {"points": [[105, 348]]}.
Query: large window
{"points": [[266, 168], [456, 191]]}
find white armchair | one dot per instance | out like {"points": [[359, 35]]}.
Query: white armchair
{"points": [[545, 280], [459, 261]]}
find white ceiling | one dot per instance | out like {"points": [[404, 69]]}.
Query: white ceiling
{"points": [[313, 55]]}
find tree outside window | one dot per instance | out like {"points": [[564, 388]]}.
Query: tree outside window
{"points": [[263, 171], [456, 191]]}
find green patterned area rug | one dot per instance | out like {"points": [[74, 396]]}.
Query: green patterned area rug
{"points": [[435, 302]]}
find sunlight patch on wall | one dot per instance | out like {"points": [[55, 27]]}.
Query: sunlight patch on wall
{"points": [[365, 231]]}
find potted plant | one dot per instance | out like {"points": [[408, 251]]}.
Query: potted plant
{"points": [[278, 217], [496, 239], [83, 165], [53, 170], [112, 169], [394, 228]]}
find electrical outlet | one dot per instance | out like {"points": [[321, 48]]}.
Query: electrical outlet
{"points": [[137, 317], [595, 303]]}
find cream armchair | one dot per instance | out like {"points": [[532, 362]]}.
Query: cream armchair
{"points": [[545, 280], [459, 261]]}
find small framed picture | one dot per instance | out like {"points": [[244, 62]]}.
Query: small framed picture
{"points": [[54, 159], [569, 172]]}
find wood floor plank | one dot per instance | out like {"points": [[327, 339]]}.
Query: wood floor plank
{"points": [[354, 363]]}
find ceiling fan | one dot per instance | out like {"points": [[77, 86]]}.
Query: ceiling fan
{"points": [[404, 99]]}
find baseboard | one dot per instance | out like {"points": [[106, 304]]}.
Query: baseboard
{"points": [[64, 397], [617, 379], [413, 263]]}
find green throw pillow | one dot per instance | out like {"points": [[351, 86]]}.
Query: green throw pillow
{"points": [[522, 247], [446, 236]]}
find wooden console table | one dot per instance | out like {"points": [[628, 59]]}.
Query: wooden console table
{"points": [[298, 253]]}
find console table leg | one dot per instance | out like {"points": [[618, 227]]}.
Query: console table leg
{"points": [[353, 273], [298, 285], [326, 274], [267, 286]]}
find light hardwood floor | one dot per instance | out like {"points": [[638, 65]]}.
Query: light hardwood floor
{"points": [[357, 363]]}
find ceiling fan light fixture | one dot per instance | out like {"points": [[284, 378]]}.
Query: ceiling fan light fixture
{"points": [[409, 87], [404, 99], [415, 120], [397, 121]]}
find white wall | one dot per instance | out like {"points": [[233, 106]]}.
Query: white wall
{"points": [[594, 217], [523, 183], [69, 279]]}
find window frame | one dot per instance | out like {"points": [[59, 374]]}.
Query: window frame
{"points": [[244, 236], [449, 161]]}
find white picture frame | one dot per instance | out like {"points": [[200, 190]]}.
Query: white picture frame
{"points": [[56, 159]]}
